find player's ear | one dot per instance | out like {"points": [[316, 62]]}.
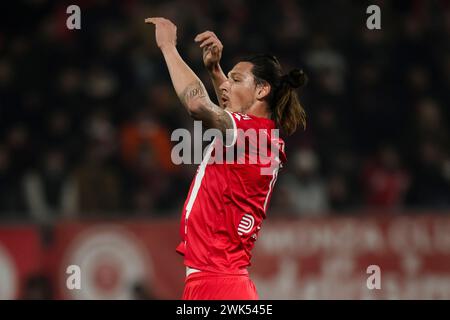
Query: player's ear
{"points": [[262, 90]]}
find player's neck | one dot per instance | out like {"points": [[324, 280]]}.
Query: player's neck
{"points": [[260, 110]]}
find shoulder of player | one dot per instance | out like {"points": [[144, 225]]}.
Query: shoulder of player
{"points": [[241, 116], [262, 122]]}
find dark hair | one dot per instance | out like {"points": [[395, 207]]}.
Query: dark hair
{"points": [[287, 112]]}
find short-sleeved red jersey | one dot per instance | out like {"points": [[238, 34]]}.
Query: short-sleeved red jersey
{"points": [[227, 202]]}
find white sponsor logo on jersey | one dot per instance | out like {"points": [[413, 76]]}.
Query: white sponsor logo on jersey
{"points": [[246, 224]]}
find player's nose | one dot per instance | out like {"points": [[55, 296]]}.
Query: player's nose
{"points": [[224, 87]]}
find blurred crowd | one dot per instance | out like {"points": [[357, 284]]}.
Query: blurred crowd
{"points": [[86, 115]]}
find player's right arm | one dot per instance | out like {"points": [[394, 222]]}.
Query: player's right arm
{"points": [[187, 85], [212, 53]]}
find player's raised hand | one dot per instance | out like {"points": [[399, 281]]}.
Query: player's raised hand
{"points": [[212, 48], [165, 32]]}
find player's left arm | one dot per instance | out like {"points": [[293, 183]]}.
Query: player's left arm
{"points": [[189, 88]]}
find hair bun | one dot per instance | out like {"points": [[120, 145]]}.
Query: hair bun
{"points": [[296, 78]]}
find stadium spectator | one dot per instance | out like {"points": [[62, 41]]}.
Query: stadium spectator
{"points": [[50, 191], [97, 185], [12, 199], [385, 182], [305, 189]]}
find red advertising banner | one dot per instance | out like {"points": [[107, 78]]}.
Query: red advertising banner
{"points": [[20, 259], [404, 257], [121, 260], [330, 258]]}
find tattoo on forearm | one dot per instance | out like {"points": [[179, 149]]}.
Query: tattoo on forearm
{"points": [[192, 91], [212, 115]]}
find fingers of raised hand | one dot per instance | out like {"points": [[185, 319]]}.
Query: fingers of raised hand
{"points": [[205, 35], [208, 42], [158, 20]]}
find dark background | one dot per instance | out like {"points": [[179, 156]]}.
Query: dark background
{"points": [[86, 115]]}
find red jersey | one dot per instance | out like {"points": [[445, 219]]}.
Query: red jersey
{"points": [[227, 202]]}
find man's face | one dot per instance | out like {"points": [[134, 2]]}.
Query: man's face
{"points": [[239, 91]]}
